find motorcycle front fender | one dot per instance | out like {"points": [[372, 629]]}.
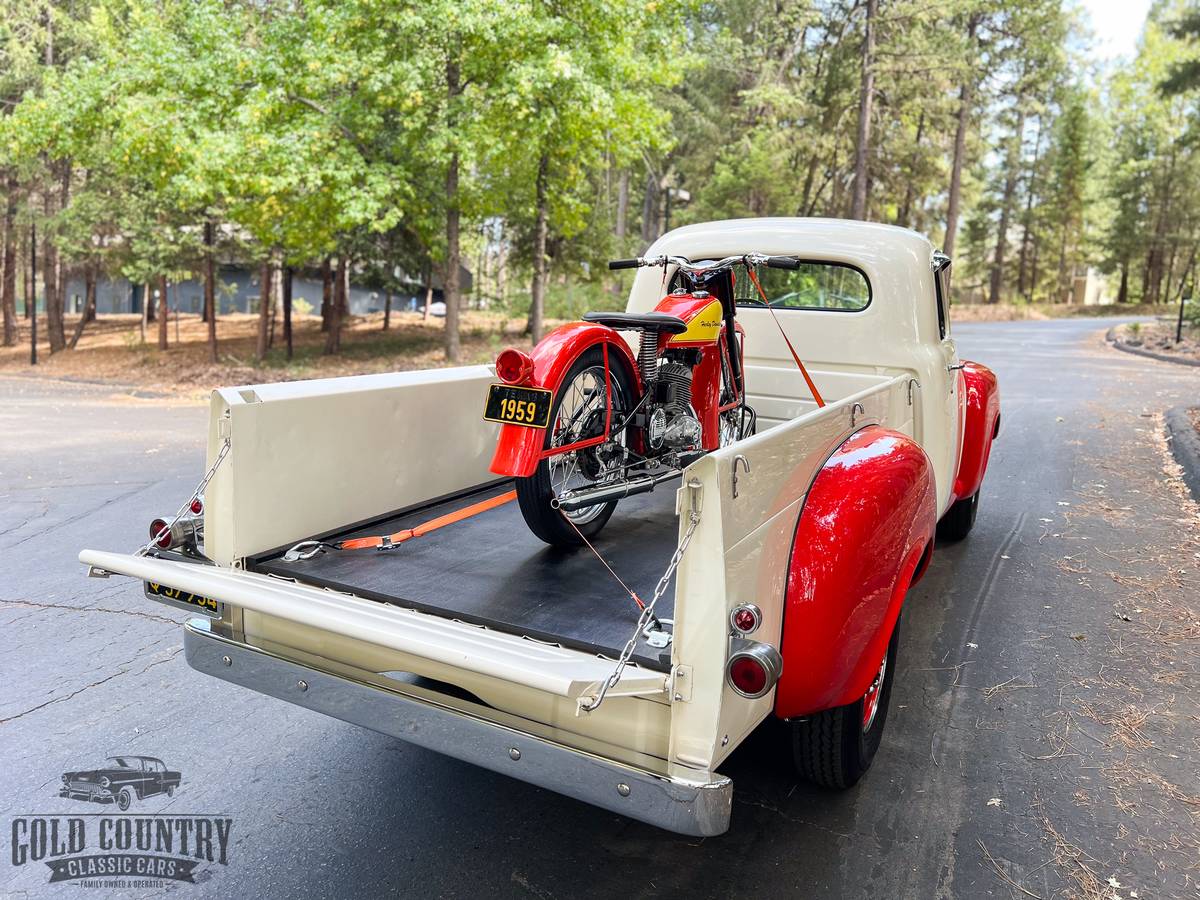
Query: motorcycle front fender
{"points": [[519, 448]]}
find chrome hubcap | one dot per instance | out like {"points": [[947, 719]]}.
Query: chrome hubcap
{"points": [[871, 698]]}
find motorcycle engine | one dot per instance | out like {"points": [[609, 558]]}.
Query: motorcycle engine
{"points": [[673, 423]]}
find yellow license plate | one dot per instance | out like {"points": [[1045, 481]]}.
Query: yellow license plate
{"points": [[183, 599], [518, 405]]}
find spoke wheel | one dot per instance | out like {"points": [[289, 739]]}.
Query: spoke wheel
{"points": [[578, 413]]}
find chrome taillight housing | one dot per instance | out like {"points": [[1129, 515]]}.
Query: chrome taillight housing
{"points": [[183, 532], [753, 667], [745, 619]]}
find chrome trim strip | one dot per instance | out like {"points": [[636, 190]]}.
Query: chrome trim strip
{"points": [[699, 808]]}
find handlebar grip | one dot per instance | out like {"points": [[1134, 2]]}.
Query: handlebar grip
{"points": [[624, 263], [783, 262]]}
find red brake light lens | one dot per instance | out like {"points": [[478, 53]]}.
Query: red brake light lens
{"points": [[748, 675], [160, 533], [745, 618], [513, 366], [197, 506]]}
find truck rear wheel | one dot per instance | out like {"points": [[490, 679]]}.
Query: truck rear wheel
{"points": [[578, 413], [959, 519], [834, 748]]}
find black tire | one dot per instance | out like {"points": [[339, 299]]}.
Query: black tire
{"points": [[170, 790], [959, 519], [124, 799], [535, 493], [832, 748]]}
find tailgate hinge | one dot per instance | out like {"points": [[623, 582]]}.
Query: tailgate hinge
{"points": [[681, 684]]}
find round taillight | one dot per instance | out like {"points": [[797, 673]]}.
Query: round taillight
{"points": [[748, 676], [160, 533], [513, 366], [745, 618], [197, 506], [754, 667]]}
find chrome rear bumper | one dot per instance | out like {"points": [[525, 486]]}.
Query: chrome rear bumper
{"points": [[695, 808]]}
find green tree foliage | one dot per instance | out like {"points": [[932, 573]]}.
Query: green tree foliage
{"points": [[528, 140]]}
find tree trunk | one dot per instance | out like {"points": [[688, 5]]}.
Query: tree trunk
{"points": [[1025, 285], [147, 302], [537, 293], [622, 208], [264, 312], [1123, 291], [905, 217], [428, 291], [862, 146], [966, 96], [210, 292], [31, 295], [650, 210], [164, 314], [387, 310], [8, 290], [287, 309], [54, 304], [1012, 165], [450, 283], [333, 340], [89, 304], [326, 294]]}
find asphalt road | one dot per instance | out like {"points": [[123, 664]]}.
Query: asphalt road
{"points": [[1044, 728]]}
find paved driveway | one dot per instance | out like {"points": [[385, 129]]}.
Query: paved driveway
{"points": [[1044, 727]]}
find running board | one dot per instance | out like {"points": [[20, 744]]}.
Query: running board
{"points": [[472, 648]]}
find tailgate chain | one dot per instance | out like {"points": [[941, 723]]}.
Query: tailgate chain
{"points": [[647, 616], [212, 470]]}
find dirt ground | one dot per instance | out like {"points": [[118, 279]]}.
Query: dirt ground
{"points": [[112, 350], [1014, 312], [1159, 336]]}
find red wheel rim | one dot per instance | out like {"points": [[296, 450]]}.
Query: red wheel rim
{"points": [[870, 704]]}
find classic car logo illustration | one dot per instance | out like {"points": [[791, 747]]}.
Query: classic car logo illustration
{"points": [[121, 780], [109, 849]]}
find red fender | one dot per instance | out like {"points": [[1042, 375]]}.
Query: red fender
{"points": [[981, 425], [519, 448], [866, 525]]}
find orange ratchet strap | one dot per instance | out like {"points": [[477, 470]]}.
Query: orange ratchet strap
{"points": [[803, 371], [388, 540]]}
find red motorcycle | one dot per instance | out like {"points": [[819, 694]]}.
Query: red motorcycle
{"points": [[586, 423]]}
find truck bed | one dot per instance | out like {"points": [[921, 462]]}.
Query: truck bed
{"points": [[490, 570]]}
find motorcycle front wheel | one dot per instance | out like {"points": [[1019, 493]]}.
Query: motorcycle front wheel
{"points": [[578, 413]]}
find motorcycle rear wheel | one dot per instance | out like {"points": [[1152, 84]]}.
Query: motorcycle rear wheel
{"points": [[576, 414]]}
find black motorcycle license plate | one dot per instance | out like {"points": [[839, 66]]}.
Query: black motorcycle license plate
{"points": [[518, 405], [184, 599]]}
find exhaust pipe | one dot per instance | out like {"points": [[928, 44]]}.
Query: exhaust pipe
{"points": [[572, 501]]}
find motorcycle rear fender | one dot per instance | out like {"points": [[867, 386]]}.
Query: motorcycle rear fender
{"points": [[519, 448]]}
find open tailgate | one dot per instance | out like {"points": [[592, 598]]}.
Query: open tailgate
{"points": [[519, 660]]}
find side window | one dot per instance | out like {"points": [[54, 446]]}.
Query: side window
{"points": [[815, 285], [941, 281]]}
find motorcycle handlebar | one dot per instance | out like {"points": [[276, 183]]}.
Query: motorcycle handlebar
{"points": [[782, 262], [750, 259]]}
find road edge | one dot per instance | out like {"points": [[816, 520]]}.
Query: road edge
{"points": [[1185, 445], [1111, 337]]}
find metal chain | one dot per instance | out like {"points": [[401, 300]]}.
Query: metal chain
{"points": [[212, 470], [645, 618]]}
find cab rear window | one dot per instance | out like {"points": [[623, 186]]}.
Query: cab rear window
{"points": [[815, 285]]}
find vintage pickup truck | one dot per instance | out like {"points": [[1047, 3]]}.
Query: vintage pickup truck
{"points": [[791, 549]]}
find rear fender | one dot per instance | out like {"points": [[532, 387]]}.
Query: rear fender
{"points": [[866, 525], [980, 427], [519, 448]]}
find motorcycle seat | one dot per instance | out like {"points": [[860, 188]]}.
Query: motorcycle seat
{"points": [[652, 321]]}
